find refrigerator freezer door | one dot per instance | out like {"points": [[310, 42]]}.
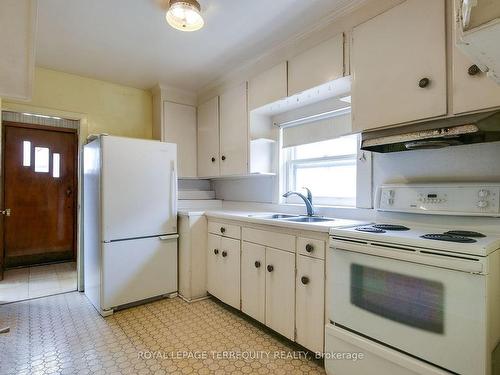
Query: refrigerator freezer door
{"points": [[135, 270], [139, 188]]}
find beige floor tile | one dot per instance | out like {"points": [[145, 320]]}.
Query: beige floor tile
{"points": [[63, 334]]}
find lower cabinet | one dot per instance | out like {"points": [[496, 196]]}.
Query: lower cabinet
{"points": [[310, 305], [253, 280], [280, 292], [223, 269]]}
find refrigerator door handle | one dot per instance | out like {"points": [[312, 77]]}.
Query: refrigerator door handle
{"points": [[173, 188], [169, 237]]}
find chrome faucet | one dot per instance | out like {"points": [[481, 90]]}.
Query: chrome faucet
{"points": [[307, 200]]}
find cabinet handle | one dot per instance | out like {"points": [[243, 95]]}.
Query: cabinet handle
{"points": [[305, 280], [216, 251], [222, 229], [424, 82], [224, 254], [257, 264], [270, 268], [213, 159], [223, 158], [473, 70], [309, 248]]}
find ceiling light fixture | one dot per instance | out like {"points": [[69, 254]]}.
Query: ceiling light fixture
{"points": [[185, 15]]}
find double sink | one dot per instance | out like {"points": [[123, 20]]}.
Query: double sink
{"points": [[294, 218]]}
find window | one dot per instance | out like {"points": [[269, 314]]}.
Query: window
{"points": [[56, 165], [26, 153], [41, 159], [328, 168]]}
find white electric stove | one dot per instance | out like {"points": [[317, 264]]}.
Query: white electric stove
{"points": [[418, 291]]}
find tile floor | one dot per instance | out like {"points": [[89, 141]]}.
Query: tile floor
{"points": [[63, 334], [32, 282]]}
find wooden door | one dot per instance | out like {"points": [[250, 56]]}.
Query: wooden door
{"points": [[310, 304], [230, 272], [213, 271], [40, 191], [208, 138], [253, 280], [234, 141], [280, 292], [398, 64]]}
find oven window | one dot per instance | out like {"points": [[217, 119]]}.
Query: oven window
{"points": [[405, 299]]}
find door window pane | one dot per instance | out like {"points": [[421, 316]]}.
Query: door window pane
{"points": [[409, 300], [26, 153], [56, 165], [41, 159]]}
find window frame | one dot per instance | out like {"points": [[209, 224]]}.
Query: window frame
{"points": [[291, 164]]}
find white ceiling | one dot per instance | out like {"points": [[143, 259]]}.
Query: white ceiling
{"points": [[129, 42]]}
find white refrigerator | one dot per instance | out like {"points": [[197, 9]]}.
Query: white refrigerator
{"points": [[130, 221]]}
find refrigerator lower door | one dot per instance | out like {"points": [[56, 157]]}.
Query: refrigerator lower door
{"points": [[134, 270]]}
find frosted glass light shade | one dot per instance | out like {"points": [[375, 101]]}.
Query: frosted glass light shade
{"points": [[185, 15]]}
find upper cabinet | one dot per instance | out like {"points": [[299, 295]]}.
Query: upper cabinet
{"points": [[17, 43], [234, 140], [208, 138], [268, 87], [318, 65], [179, 121], [174, 121], [399, 65]]}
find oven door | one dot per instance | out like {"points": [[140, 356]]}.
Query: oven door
{"points": [[433, 313]]}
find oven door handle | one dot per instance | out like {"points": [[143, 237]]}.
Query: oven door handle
{"points": [[412, 255]]}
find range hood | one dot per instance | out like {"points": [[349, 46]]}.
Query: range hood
{"points": [[460, 130]]}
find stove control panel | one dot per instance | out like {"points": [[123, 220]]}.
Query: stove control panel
{"points": [[442, 199]]}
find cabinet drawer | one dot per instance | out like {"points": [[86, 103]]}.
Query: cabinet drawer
{"points": [[225, 230], [311, 247], [277, 240]]}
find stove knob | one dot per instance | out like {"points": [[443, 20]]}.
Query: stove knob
{"points": [[482, 204], [483, 193]]}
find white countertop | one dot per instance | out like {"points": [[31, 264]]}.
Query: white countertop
{"points": [[255, 217]]}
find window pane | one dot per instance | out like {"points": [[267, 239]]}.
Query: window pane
{"points": [[334, 147], [41, 159], [56, 160], [26, 153], [337, 181]]}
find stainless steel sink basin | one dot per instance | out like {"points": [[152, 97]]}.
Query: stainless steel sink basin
{"points": [[308, 219], [276, 216]]}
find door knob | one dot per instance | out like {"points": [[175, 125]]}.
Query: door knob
{"points": [[270, 268], [424, 82], [257, 264], [68, 192], [224, 254], [305, 280], [5, 212], [473, 70], [309, 248]]}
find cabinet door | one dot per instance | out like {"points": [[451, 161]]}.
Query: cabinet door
{"points": [[234, 131], [213, 265], [229, 272], [316, 66], [179, 122], [310, 305], [253, 280], [393, 55], [208, 138], [280, 292], [268, 87]]}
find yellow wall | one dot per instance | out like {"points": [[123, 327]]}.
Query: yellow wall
{"points": [[106, 107]]}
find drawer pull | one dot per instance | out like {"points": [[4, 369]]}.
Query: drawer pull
{"points": [[424, 82], [222, 229], [270, 268], [213, 159], [257, 264], [473, 70], [216, 251], [309, 248], [305, 280], [224, 254]]}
